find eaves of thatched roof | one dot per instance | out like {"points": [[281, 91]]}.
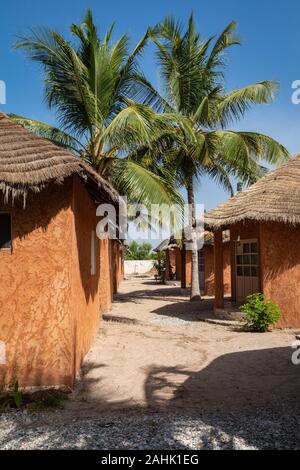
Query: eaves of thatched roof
{"points": [[29, 163], [170, 243], [162, 246], [274, 198]]}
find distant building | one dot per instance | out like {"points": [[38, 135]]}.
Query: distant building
{"points": [[264, 225]]}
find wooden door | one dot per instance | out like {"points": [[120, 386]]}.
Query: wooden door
{"points": [[247, 269]]}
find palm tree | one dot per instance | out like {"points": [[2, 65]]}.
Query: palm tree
{"points": [[92, 84], [192, 73]]}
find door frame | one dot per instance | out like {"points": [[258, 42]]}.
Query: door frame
{"points": [[235, 254]]}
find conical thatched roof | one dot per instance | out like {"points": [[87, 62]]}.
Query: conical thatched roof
{"points": [[162, 246], [29, 163], [170, 243], [275, 197]]}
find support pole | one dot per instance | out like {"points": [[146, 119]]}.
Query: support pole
{"points": [[218, 261]]}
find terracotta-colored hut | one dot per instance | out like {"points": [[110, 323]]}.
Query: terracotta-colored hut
{"points": [[55, 274], [264, 224], [179, 264]]}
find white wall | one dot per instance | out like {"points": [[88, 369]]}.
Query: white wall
{"points": [[138, 267]]}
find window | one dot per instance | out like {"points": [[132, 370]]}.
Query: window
{"points": [[246, 248], [247, 263], [201, 261], [94, 253], [5, 230]]}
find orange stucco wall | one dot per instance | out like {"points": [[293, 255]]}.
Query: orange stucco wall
{"points": [[209, 270], [85, 286], [105, 289], [178, 262], [49, 300], [117, 264], [279, 253], [188, 268], [36, 322], [280, 268], [210, 273], [173, 261], [170, 264], [120, 265], [208, 267]]}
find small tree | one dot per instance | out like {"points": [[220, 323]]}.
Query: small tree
{"points": [[160, 266], [260, 313], [141, 251]]}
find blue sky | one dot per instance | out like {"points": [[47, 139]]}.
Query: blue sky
{"points": [[269, 32]]}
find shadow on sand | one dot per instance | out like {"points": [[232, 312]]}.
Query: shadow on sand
{"points": [[231, 385]]}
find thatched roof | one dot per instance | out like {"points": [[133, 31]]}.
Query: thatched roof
{"points": [[29, 163], [170, 243], [275, 197], [162, 246]]}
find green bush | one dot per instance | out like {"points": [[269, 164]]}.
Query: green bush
{"points": [[160, 267], [17, 395], [260, 313], [140, 251]]}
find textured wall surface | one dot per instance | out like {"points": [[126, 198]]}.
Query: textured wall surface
{"points": [[279, 252], [117, 264], [85, 286], [208, 266], [280, 262], [188, 268], [120, 263], [178, 264], [49, 300], [122, 268], [209, 269], [170, 264], [105, 289], [35, 296]]}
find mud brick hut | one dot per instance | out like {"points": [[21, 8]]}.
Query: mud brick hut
{"points": [[179, 264], [55, 274], [264, 225]]}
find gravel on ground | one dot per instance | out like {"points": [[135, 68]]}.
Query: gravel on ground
{"points": [[162, 375], [261, 429]]}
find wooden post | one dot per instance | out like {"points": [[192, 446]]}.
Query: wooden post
{"points": [[233, 245], [183, 267], [178, 264], [188, 268], [167, 271], [218, 261]]}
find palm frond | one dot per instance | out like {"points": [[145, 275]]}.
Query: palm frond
{"points": [[46, 131], [143, 186], [136, 124], [226, 39], [242, 152], [233, 105]]}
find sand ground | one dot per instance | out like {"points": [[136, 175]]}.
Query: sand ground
{"points": [[155, 350]]}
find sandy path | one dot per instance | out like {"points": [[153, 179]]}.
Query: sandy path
{"points": [[155, 351]]}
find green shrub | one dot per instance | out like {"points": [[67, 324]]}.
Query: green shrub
{"points": [[160, 267], [17, 395], [260, 313]]}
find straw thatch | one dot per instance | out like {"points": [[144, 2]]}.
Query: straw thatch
{"points": [[29, 163], [170, 243], [163, 246], [275, 197]]}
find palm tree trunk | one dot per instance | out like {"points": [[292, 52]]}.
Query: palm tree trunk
{"points": [[195, 286]]}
